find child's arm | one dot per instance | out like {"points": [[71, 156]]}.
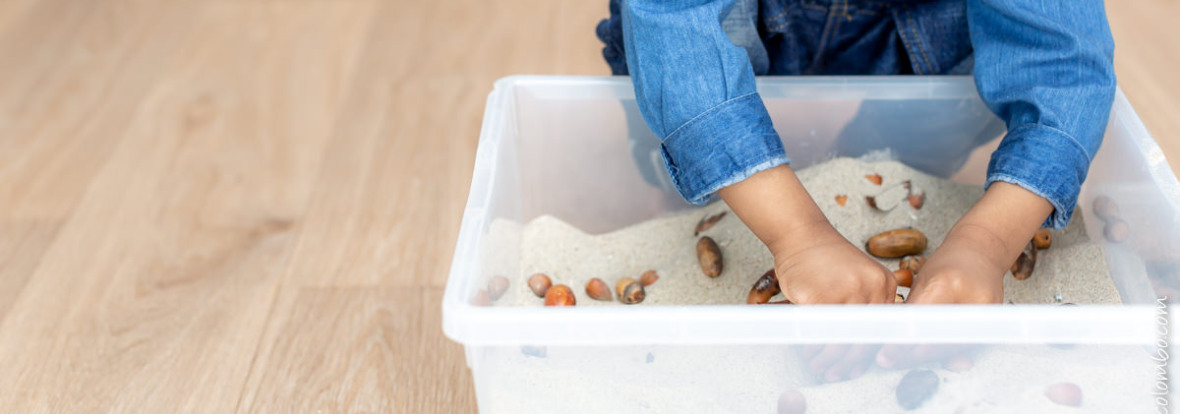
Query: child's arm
{"points": [[696, 91], [1046, 68]]}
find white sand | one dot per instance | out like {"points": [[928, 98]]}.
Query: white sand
{"points": [[1073, 267], [748, 379]]}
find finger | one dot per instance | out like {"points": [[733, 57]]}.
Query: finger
{"points": [[853, 364], [828, 356]]}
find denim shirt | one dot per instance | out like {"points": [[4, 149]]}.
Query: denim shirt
{"points": [[1044, 67]]}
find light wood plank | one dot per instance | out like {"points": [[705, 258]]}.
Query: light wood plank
{"points": [[155, 293], [359, 350], [1147, 53]]}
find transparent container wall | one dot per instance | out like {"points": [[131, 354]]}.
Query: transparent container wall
{"points": [[580, 151], [753, 378]]}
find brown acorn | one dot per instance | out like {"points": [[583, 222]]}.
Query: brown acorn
{"points": [[913, 263], [648, 278], [560, 295], [708, 222], [905, 277], [539, 284], [633, 293], [1042, 239], [1025, 263], [896, 243], [596, 289], [497, 286], [764, 288], [709, 256]]}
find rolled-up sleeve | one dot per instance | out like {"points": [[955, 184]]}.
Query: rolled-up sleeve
{"points": [[1045, 68], [696, 91]]}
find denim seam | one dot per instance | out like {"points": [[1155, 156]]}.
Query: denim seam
{"points": [[905, 40], [708, 112], [823, 39], [1058, 208], [1072, 139], [770, 20], [918, 42], [742, 175]]}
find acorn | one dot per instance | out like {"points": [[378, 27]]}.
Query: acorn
{"points": [[896, 243], [912, 263], [596, 289], [560, 295], [1105, 208], [1065, 393], [1025, 263], [629, 291], [539, 284], [497, 286], [709, 256], [905, 277], [648, 278], [633, 293], [708, 222], [792, 402], [764, 288], [1116, 231], [1042, 239]]}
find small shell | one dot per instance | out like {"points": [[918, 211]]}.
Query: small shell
{"points": [[621, 286], [874, 178], [633, 293], [913, 263], [841, 200]]}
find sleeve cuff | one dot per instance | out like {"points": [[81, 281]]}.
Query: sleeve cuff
{"points": [[1045, 161], [722, 146]]}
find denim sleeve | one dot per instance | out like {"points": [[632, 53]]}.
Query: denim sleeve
{"points": [[1046, 68], [696, 91]]}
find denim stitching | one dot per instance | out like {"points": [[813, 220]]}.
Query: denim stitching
{"points": [[1072, 139], [823, 39], [709, 111], [783, 13], [918, 43]]}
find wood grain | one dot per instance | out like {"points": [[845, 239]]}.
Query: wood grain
{"points": [[251, 205]]}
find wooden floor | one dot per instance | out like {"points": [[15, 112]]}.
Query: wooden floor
{"points": [[225, 206]]}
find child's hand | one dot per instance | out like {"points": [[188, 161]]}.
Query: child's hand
{"points": [[970, 264], [815, 264]]}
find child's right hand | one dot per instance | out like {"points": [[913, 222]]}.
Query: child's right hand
{"points": [[815, 264]]}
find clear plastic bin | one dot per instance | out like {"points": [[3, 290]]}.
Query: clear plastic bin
{"points": [[563, 146]]}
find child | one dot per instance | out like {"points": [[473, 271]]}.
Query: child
{"points": [[1044, 67]]}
